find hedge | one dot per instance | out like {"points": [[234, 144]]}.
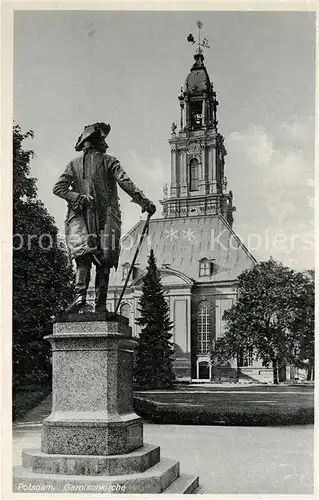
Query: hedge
{"points": [[25, 399], [165, 413]]}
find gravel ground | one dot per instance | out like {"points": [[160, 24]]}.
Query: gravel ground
{"points": [[246, 460]]}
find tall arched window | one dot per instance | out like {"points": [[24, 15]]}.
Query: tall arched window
{"points": [[203, 328], [193, 174], [125, 310]]}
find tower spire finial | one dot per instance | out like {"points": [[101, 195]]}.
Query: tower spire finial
{"points": [[199, 25], [200, 44]]}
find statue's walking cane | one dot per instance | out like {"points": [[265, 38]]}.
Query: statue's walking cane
{"points": [[94, 257], [145, 228]]}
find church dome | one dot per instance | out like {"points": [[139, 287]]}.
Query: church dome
{"points": [[198, 80]]}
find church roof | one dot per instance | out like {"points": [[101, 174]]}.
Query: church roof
{"points": [[180, 243]]}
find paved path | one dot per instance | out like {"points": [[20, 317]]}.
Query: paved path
{"points": [[246, 460]]}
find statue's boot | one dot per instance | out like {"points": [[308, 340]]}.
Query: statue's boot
{"points": [[101, 286], [78, 303], [82, 280]]}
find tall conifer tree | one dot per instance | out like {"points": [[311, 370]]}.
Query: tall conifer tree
{"points": [[153, 360]]}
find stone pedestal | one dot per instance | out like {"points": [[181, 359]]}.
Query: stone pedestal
{"points": [[93, 440]]}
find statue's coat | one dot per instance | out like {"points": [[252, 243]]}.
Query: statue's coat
{"points": [[97, 174]]}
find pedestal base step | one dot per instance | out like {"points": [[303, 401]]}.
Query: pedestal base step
{"points": [[185, 484], [91, 465], [154, 480]]}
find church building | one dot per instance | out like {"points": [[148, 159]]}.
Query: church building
{"points": [[197, 250]]}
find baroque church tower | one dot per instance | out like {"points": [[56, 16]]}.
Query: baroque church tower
{"points": [[198, 183], [199, 256]]}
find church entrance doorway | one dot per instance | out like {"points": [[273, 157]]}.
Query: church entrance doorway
{"points": [[203, 370]]}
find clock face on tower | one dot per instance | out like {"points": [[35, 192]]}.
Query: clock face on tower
{"points": [[193, 147]]}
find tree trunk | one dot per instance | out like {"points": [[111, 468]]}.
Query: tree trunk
{"points": [[311, 370], [282, 371], [275, 370], [237, 367], [212, 370]]}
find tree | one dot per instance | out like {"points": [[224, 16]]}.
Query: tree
{"points": [[153, 356], [229, 347], [304, 326], [42, 276], [273, 315]]}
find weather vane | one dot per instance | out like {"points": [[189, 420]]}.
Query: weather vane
{"points": [[204, 43]]}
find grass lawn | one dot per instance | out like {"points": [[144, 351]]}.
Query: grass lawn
{"points": [[271, 397]]}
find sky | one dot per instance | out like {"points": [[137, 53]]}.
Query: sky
{"points": [[72, 68]]}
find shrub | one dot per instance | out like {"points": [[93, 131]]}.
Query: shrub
{"points": [[165, 413]]}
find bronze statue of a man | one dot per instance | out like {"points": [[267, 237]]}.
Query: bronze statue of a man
{"points": [[93, 222]]}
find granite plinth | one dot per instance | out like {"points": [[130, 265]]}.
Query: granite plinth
{"points": [[92, 438], [137, 461], [92, 402]]}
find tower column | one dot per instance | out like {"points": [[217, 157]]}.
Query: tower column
{"points": [[204, 114], [202, 180], [211, 108], [187, 112], [213, 188], [183, 171], [173, 189], [182, 116], [182, 105], [210, 170]]}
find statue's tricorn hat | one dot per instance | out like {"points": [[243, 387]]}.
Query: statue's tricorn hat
{"points": [[98, 128]]}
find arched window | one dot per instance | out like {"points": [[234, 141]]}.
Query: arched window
{"points": [[196, 114], [205, 267], [193, 174], [203, 328], [125, 310], [125, 270]]}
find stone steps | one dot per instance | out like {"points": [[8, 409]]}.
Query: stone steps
{"points": [[154, 480], [136, 461], [185, 484]]}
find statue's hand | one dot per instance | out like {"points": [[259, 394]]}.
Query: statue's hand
{"points": [[150, 208], [86, 200], [83, 201]]}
